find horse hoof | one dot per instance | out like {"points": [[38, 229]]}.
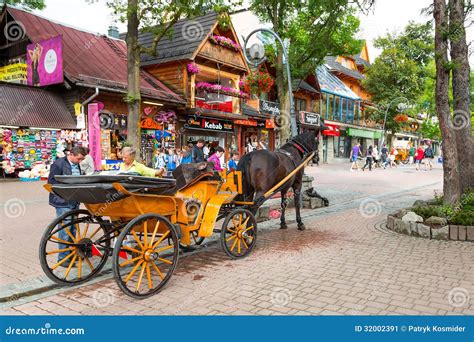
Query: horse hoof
{"points": [[301, 227], [283, 226]]}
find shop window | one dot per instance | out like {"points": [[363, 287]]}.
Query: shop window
{"points": [[337, 109], [330, 106], [316, 106], [323, 106], [300, 105], [350, 111], [343, 109]]}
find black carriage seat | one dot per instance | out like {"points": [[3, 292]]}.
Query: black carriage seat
{"points": [[95, 189], [189, 174]]}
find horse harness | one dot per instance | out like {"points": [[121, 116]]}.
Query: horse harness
{"points": [[289, 155]]}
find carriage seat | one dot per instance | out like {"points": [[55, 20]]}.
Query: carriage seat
{"points": [[189, 174]]}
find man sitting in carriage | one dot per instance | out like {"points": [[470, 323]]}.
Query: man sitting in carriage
{"points": [[131, 165]]}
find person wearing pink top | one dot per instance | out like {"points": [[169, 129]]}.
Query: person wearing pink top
{"points": [[215, 158]]}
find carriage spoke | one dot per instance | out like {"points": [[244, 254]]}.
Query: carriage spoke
{"points": [[166, 261], [60, 250], [85, 230], [64, 242], [131, 261], [164, 248], [130, 275], [233, 245], [137, 239], [145, 234], [161, 239], [154, 233], [157, 270], [78, 231], [70, 266], [79, 268], [230, 238], [95, 232], [130, 249], [238, 245], [251, 227], [63, 260], [148, 275], [140, 277], [68, 232], [90, 264], [245, 244]]}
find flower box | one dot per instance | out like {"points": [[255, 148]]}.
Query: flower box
{"points": [[217, 88], [225, 42]]}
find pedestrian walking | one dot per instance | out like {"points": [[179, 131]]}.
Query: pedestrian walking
{"points": [[215, 158], [368, 158], [171, 161], [429, 155], [68, 165], [354, 156], [206, 150], [393, 156], [197, 152], [420, 154], [411, 155], [185, 155], [384, 156], [375, 156]]}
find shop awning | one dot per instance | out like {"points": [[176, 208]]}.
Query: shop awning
{"points": [[355, 132], [33, 107]]}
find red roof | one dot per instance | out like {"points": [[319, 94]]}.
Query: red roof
{"points": [[92, 59]]}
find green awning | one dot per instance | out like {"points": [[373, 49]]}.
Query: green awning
{"points": [[355, 132], [377, 135]]}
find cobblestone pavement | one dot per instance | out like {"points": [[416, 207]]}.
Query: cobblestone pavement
{"points": [[344, 263]]}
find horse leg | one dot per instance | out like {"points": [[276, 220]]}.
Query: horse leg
{"points": [[301, 225], [284, 203]]}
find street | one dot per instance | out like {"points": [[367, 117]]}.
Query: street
{"points": [[345, 263]]}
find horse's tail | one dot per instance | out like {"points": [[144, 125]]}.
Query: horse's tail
{"points": [[244, 167]]}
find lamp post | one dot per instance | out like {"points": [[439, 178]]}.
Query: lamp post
{"points": [[385, 118], [257, 59]]}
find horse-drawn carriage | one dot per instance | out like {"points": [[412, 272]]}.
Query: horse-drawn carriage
{"points": [[141, 222]]}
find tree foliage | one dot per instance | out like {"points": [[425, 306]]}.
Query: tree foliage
{"points": [[25, 4], [398, 77]]}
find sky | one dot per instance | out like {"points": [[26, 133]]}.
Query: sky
{"points": [[387, 16]]}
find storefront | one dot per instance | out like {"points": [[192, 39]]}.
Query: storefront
{"points": [[330, 135], [259, 134], [35, 128], [215, 132]]}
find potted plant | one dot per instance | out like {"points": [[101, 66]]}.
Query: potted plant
{"points": [[225, 42], [258, 82], [217, 88], [192, 68]]}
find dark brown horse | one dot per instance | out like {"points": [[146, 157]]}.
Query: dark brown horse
{"points": [[263, 169]]}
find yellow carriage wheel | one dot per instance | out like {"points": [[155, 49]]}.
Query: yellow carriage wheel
{"points": [[74, 247], [153, 245], [239, 233]]}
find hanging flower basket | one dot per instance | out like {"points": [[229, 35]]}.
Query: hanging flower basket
{"points": [[258, 82], [225, 42], [192, 68], [217, 88], [400, 118]]}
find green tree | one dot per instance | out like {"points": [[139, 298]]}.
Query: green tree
{"points": [[399, 74], [25, 4], [314, 29], [158, 17]]}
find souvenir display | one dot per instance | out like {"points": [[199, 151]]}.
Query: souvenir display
{"points": [[26, 148]]}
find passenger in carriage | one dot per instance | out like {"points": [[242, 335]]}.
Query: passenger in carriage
{"points": [[215, 158], [131, 165]]}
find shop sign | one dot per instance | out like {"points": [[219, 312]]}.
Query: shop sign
{"points": [[246, 122], [149, 123], [311, 119], [210, 124], [269, 123], [333, 130], [111, 165], [354, 132], [13, 73], [94, 134], [268, 107], [45, 62]]}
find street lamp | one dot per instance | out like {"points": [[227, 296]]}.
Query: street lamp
{"points": [[257, 56], [385, 118]]}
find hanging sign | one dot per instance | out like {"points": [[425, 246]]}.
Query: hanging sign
{"points": [[45, 62], [246, 122], [311, 119]]}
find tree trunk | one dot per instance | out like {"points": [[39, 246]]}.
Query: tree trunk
{"points": [[450, 159], [133, 76], [461, 94], [284, 123]]}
